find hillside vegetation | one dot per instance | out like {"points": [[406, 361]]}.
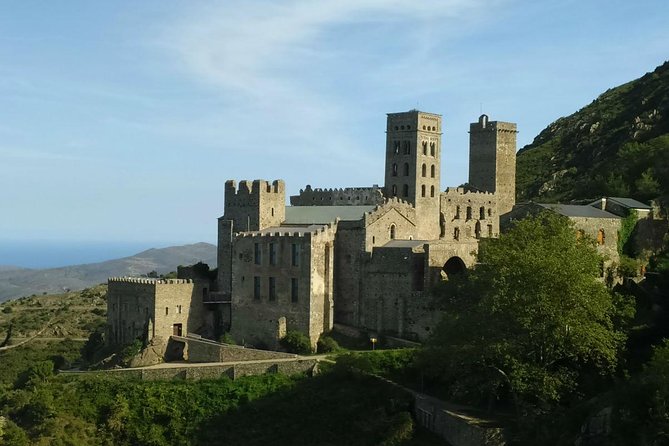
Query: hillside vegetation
{"points": [[616, 146], [23, 282]]}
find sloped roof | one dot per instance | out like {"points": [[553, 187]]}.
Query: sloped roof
{"points": [[630, 203], [576, 210], [308, 215], [404, 243]]}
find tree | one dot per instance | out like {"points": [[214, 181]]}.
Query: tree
{"points": [[527, 319]]}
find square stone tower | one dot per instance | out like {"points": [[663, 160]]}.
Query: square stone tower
{"points": [[492, 160], [413, 166]]}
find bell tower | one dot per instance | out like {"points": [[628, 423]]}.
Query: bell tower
{"points": [[413, 166]]}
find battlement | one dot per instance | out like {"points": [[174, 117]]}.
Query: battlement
{"points": [[255, 187], [148, 281], [338, 196], [307, 232], [450, 191], [483, 124]]}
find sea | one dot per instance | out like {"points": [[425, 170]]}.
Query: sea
{"points": [[52, 254]]}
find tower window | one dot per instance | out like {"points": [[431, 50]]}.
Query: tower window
{"points": [[456, 233], [432, 191], [257, 255], [396, 148], [422, 190], [256, 288], [272, 253], [392, 232], [432, 171], [424, 146], [432, 147], [394, 190], [405, 192], [482, 213], [424, 170], [407, 147], [457, 212], [272, 288], [293, 289], [489, 212], [469, 212], [294, 254], [272, 212], [477, 229], [394, 169], [406, 169], [489, 230]]}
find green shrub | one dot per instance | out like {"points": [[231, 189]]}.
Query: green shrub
{"points": [[132, 350], [7, 309], [226, 338], [296, 342], [327, 345], [628, 267]]}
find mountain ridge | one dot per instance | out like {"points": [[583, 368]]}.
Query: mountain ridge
{"points": [[618, 145], [22, 282]]}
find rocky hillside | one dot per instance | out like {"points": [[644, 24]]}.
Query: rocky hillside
{"points": [[617, 146], [24, 282]]}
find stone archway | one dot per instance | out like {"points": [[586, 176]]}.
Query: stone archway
{"points": [[454, 265]]}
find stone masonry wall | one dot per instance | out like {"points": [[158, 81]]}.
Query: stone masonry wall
{"points": [[467, 216], [350, 196]]}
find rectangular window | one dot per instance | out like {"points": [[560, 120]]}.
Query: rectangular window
{"points": [[257, 255], [293, 289], [469, 212], [272, 253], [489, 230], [457, 212], [256, 288], [295, 254], [178, 309], [167, 311], [272, 288]]}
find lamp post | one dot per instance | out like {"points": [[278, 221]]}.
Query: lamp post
{"points": [[373, 340]]}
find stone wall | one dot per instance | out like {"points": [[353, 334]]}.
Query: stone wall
{"points": [[198, 372], [467, 215], [456, 426], [350, 253], [203, 350], [260, 317], [350, 196], [149, 308]]}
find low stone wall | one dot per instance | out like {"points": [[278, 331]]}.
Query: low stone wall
{"points": [[202, 350], [213, 371], [455, 426]]}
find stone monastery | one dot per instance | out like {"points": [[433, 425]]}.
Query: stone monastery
{"points": [[361, 257]]}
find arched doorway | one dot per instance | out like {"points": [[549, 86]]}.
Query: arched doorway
{"points": [[453, 266]]}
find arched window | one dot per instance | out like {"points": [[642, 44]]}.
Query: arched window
{"points": [[406, 169], [432, 149], [601, 237], [407, 147], [431, 191], [392, 232], [457, 212], [424, 170], [424, 147], [422, 190], [469, 212], [396, 148], [477, 229], [482, 213], [456, 233], [432, 171], [406, 190], [394, 190], [394, 169]]}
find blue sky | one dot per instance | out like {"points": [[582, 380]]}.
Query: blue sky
{"points": [[120, 121]]}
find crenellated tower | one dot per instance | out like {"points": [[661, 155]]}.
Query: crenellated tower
{"points": [[492, 160], [253, 206], [413, 165]]}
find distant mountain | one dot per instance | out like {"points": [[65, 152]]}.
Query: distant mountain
{"points": [[617, 146], [17, 282]]}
